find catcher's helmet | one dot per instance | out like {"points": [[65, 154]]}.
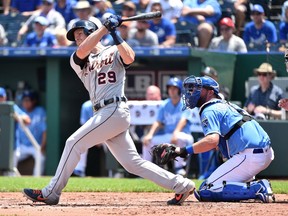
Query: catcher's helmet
{"points": [[192, 89], [174, 81], [86, 25]]}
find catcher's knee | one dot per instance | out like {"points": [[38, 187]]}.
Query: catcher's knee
{"points": [[230, 191]]}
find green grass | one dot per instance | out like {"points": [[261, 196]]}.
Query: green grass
{"points": [[89, 184]]}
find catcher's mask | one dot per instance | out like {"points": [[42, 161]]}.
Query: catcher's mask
{"points": [[174, 81], [192, 90], [86, 25]]}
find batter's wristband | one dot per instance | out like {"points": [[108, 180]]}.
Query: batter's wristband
{"points": [[117, 38], [189, 149]]}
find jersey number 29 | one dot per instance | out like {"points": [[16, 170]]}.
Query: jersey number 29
{"points": [[109, 77]]}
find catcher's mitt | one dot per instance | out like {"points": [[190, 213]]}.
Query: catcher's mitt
{"points": [[164, 153]]}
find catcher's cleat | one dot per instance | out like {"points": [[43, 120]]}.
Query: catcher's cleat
{"points": [[37, 196], [265, 194], [180, 198]]}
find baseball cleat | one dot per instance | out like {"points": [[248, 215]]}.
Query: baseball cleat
{"points": [[37, 196], [265, 194], [180, 198]]}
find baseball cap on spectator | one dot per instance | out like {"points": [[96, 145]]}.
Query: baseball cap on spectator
{"points": [[2, 92], [82, 5], [226, 21], [41, 20], [257, 8], [130, 5]]}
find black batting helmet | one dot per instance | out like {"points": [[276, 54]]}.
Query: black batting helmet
{"points": [[86, 25]]}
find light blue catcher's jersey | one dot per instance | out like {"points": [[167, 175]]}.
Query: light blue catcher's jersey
{"points": [[220, 117], [169, 115]]}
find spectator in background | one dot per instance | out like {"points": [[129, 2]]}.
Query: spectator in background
{"points": [[20, 115], [55, 19], [224, 91], [263, 99], [37, 127], [175, 123], [62, 41], [143, 35], [6, 6], [153, 93], [26, 8], [65, 8], [283, 27], [171, 9], [227, 41], [83, 11], [259, 31], [242, 12], [164, 28], [100, 7], [40, 37], [141, 6], [240, 9], [128, 10], [204, 14], [3, 38]]}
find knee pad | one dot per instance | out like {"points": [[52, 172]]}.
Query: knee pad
{"points": [[229, 191]]}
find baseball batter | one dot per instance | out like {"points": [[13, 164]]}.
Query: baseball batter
{"points": [[240, 139], [102, 71]]}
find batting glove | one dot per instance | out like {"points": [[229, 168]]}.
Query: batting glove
{"points": [[112, 22]]}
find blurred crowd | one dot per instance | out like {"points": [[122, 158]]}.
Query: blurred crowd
{"points": [[223, 25]]}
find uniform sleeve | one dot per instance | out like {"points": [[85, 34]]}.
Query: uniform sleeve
{"points": [[210, 122], [77, 64]]}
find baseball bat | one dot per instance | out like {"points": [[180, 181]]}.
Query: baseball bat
{"points": [[144, 16]]}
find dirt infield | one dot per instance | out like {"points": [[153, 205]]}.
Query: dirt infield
{"points": [[135, 204]]}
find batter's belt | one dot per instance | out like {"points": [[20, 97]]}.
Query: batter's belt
{"points": [[103, 102]]}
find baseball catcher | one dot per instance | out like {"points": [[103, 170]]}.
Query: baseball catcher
{"points": [[241, 140]]}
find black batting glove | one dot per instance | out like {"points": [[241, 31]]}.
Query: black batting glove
{"points": [[112, 22]]}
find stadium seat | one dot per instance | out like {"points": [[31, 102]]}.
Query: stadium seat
{"points": [[12, 23], [185, 33]]}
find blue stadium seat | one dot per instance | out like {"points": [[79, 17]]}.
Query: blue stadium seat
{"points": [[185, 33], [12, 23]]}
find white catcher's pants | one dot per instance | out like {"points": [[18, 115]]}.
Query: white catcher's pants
{"points": [[183, 139], [242, 167], [110, 125]]}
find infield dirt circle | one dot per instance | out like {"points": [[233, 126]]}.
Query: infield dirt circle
{"points": [[111, 203]]}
